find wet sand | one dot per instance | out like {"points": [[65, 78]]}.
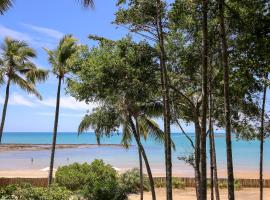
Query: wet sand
{"points": [[189, 194]]}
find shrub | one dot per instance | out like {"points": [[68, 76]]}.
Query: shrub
{"points": [[102, 183], [73, 177], [178, 183], [130, 181], [26, 191], [224, 184]]}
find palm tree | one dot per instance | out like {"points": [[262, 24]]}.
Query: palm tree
{"points": [[106, 120], [5, 5], [17, 68], [60, 60]]}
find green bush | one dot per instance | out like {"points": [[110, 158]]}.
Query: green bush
{"points": [[27, 192], [178, 183], [73, 177], [102, 183], [224, 184], [130, 181]]}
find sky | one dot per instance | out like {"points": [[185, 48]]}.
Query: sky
{"points": [[42, 24]]}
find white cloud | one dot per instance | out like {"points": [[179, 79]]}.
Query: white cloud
{"points": [[18, 100], [46, 31], [34, 35], [5, 31], [51, 114], [68, 103]]}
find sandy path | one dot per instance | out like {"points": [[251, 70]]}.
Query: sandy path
{"points": [[189, 194]]}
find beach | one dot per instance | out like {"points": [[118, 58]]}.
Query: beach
{"points": [[189, 194], [27, 154], [25, 167]]}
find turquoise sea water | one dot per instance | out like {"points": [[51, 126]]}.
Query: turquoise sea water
{"points": [[245, 154]]}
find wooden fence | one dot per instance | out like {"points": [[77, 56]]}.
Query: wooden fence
{"points": [[188, 182]]}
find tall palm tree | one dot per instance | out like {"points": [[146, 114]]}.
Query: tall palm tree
{"points": [[17, 68], [60, 60], [5, 5]]}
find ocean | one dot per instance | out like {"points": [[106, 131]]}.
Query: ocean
{"points": [[245, 153]]}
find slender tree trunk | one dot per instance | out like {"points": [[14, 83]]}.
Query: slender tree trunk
{"points": [[211, 163], [166, 112], [140, 163], [55, 130], [4, 110], [141, 175], [147, 165], [262, 140], [227, 116], [215, 166], [197, 157], [204, 101]]}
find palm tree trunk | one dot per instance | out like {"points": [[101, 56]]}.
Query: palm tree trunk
{"points": [[226, 101], [4, 110], [55, 130], [204, 101], [141, 175], [262, 140], [148, 168], [166, 111], [140, 164]]}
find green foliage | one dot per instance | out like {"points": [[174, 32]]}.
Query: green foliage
{"points": [[130, 181], [26, 191], [73, 177], [177, 183], [224, 184], [16, 64], [96, 181], [102, 183]]}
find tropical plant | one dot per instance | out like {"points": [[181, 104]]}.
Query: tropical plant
{"points": [[73, 177], [27, 191], [60, 59], [102, 183], [5, 5], [17, 68]]}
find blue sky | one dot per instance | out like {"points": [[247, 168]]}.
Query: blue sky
{"points": [[42, 24]]}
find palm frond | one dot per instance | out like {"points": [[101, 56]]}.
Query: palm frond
{"points": [[87, 3], [127, 135], [25, 85], [5, 5], [34, 75]]}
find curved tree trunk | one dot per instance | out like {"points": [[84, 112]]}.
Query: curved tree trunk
{"points": [[141, 175], [227, 109], [148, 169], [262, 141], [55, 131], [140, 164], [4, 110], [197, 157]]}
